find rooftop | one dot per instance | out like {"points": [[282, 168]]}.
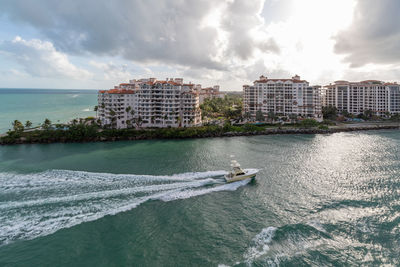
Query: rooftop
{"points": [[117, 91]]}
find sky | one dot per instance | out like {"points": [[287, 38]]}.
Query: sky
{"points": [[96, 44]]}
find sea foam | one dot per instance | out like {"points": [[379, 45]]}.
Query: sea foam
{"points": [[38, 204], [260, 244]]}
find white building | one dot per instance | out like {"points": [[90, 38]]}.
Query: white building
{"points": [[283, 97], [116, 107], [357, 97], [150, 103], [209, 92]]}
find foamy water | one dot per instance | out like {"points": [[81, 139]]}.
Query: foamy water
{"points": [[45, 202]]}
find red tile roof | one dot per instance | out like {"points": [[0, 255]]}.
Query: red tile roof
{"points": [[117, 91], [280, 80]]}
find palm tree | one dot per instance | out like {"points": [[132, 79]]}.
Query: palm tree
{"points": [[18, 126], [46, 124], [113, 118], [96, 108], [179, 120], [139, 121], [128, 123], [28, 124], [114, 122]]}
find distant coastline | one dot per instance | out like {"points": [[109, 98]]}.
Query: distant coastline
{"points": [[59, 136]]}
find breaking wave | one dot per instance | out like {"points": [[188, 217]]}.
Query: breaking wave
{"points": [[38, 204], [260, 244]]}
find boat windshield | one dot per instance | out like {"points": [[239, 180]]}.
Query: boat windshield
{"points": [[238, 171]]}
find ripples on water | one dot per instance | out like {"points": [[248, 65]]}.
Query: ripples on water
{"points": [[43, 203], [347, 188], [319, 200]]}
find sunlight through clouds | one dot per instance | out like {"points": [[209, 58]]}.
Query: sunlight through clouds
{"points": [[229, 42]]}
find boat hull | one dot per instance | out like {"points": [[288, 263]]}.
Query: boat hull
{"points": [[249, 174]]}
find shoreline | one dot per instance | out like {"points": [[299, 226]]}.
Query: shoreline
{"points": [[268, 131]]}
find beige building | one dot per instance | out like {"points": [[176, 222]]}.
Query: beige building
{"points": [[150, 103], [114, 107], [209, 92], [357, 97], [283, 97]]}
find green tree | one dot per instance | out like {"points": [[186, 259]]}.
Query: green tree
{"points": [[17, 126], [259, 115], [46, 124], [113, 118], [368, 114], [346, 114], [309, 123], [95, 109], [229, 107], [28, 124], [139, 121], [114, 122], [272, 116], [329, 112], [293, 117]]}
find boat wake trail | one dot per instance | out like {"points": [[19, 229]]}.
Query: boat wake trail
{"points": [[38, 204]]}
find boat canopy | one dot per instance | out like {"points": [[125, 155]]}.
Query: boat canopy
{"points": [[234, 164]]}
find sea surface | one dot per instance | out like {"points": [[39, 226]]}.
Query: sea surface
{"points": [[322, 200], [35, 105]]}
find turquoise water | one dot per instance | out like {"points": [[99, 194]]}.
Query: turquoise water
{"points": [[318, 200], [38, 104]]}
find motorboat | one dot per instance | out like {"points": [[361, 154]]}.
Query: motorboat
{"points": [[238, 174]]}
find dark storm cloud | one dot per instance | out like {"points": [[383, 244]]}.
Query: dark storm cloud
{"points": [[142, 30], [374, 36]]}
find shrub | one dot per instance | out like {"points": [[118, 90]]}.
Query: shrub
{"points": [[308, 123]]}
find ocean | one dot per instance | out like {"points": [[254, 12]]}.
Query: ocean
{"points": [[322, 200], [36, 105]]}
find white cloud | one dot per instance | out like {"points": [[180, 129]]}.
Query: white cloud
{"points": [[195, 33], [374, 35], [41, 59], [227, 42], [112, 71]]}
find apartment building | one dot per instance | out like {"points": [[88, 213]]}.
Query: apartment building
{"points": [[357, 97], [116, 107], [150, 103], [209, 92], [283, 97]]}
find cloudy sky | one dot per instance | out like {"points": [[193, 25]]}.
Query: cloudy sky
{"points": [[99, 43]]}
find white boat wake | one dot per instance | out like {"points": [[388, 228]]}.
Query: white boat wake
{"points": [[38, 204]]}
